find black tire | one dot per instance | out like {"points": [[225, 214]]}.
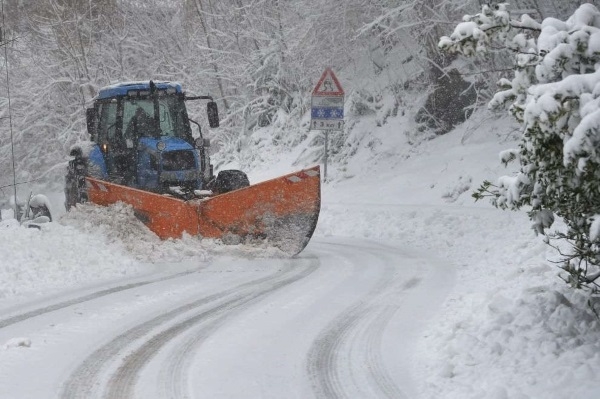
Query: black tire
{"points": [[37, 211], [75, 188], [228, 180]]}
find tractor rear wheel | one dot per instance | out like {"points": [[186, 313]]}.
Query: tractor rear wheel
{"points": [[75, 188]]}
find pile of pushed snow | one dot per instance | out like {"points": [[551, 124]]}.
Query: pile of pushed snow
{"points": [[54, 257], [87, 245], [94, 243], [116, 225]]}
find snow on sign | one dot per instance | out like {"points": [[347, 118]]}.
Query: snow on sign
{"points": [[327, 105]]}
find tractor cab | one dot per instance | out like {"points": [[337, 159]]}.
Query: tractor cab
{"points": [[142, 137]]}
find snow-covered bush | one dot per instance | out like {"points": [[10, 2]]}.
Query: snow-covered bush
{"points": [[555, 95]]}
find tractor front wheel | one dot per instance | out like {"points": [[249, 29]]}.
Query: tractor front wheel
{"points": [[228, 180]]}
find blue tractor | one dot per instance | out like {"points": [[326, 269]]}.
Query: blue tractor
{"points": [[141, 137]]}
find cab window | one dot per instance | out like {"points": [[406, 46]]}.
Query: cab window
{"points": [[107, 123]]}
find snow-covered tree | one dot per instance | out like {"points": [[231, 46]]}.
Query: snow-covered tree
{"points": [[555, 95]]}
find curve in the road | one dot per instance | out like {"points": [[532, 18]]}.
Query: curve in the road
{"points": [[83, 382], [348, 350]]}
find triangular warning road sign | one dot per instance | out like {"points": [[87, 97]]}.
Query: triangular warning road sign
{"points": [[328, 85]]}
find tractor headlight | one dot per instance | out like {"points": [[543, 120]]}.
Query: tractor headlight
{"points": [[199, 142], [161, 145]]}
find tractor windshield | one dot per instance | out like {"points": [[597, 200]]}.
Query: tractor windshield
{"points": [[139, 118]]}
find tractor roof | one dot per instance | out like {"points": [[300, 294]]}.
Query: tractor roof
{"points": [[121, 89]]}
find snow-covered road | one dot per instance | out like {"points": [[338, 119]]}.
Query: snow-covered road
{"points": [[339, 321]]}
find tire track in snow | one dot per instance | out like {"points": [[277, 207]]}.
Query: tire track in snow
{"points": [[174, 377], [348, 352], [84, 382], [85, 298], [373, 341]]}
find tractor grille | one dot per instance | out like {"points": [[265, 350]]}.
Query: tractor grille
{"points": [[178, 160]]}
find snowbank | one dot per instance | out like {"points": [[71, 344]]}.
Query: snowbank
{"points": [[38, 261], [87, 245]]}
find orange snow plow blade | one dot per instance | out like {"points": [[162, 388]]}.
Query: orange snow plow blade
{"points": [[283, 211]]}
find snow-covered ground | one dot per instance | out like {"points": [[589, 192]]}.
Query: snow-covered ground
{"points": [[508, 326]]}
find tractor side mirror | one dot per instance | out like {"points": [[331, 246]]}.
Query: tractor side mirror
{"points": [[91, 117], [213, 114], [202, 143]]}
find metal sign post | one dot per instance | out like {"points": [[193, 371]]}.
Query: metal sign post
{"points": [[325, 157], [327, 108]]}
